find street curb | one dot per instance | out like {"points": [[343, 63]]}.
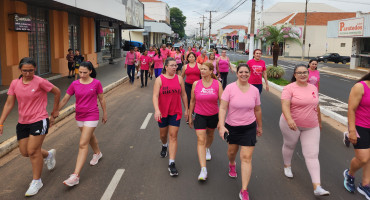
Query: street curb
{"points": [[324, 111], [12, 143]]}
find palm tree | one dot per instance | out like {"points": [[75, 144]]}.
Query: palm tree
{"points": [[275, 35]]}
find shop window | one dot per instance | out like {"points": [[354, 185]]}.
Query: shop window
{"points": [[342, 44]]}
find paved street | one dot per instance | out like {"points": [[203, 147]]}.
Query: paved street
{"points": [[126, 146]]}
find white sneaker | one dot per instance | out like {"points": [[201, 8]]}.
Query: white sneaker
{"points": [[288, 172], [320, 191], [35, 186], [208, 154], [50, 160], [95, 159], [203, 175]]}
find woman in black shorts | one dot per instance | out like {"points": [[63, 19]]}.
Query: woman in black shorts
{"points": [[242, 123]]}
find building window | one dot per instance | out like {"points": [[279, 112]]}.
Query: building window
{"points": [[342, 44]]}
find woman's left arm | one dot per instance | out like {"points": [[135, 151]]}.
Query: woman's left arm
{"points": [[258, 114], [184, 98], [104, 107]]}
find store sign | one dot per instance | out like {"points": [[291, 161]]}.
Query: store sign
{"points": [[20, 23], [351, 27]]}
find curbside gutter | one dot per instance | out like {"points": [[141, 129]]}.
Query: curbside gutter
{"points": [[12, 143]]}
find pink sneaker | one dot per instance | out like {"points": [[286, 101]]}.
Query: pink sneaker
{"points": [[73, 180], [95, 159], [243, 195], [232, 171]]}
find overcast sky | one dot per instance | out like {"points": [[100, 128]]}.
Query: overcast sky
{"points": [[193, 9]]}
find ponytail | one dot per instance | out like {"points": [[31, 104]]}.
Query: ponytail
{"points": [[90, 67], [26, 61]]}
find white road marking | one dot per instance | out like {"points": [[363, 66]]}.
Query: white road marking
{"points": [[112, 185], [146, 121]]}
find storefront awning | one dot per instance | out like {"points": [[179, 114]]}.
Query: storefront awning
{"points": [[158, 27]]}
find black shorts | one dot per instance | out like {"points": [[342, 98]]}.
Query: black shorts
{"points": [[202, 122], [70, 66], [179, 67], [243, 135], [152, 66], [38, 128], [364, 141]]}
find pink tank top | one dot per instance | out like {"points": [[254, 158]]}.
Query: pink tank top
{"points": [[206, 99], [214, 66], [223, 65], [363, 109], [170, 97], [192, 74], [178, 58]]}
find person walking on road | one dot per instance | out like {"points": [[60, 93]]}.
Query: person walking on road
{"points": [[179, 60], [130, 64], [359, 136], [70, 60], [165, 52], [223, 64], [202, 58], [33, 121], [138, 55], [241, 125], [78, 58], [258, 69], [145, 62], [213, 60], [158, 60], [168, 92], [192, 73], [215, 51], [301, 120], [199, 52], [151, 54], [87, 90], [313, 73], [205, 96]]}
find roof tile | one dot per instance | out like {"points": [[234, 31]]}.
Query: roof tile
{"points": [[315, 18]]}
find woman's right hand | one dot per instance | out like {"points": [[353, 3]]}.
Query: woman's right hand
{"points": [[221, 130], [352, 136], [191, 122], [157, 116], [292, 125]]}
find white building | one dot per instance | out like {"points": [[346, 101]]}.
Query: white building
{"points": [[224, 35]]}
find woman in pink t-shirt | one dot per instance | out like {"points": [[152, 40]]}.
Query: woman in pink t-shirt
{"points": [[205, 96], [87, 91], [258, 70], [138, 55], [30, 91], [313, 73], [301, 120], [223, 65], [158, 61], [241, 125], [359, 134], [213, 60], [145, 62], [168, 92], [151, 54], [192, 73], [179, 60]]}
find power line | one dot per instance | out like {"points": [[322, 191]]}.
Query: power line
{"points": [[230, 11]]}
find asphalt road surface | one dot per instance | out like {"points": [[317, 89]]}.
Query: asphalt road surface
{"points": [[136, 151]]}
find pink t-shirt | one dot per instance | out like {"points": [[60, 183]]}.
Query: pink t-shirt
{"points": [[172, 54], [158, 62], [241, 105], [165, 53], [178, 58], [303, 104], [257, 69], [86, 99], [130, 58], [314, 77], [206, 99], [32, 99], [144, 61], [151, 54]]}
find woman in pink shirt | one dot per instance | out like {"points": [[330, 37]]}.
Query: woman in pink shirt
{"points": [[301, 120], [258, 70], [199, 52], [173, 52], [213, 60], [359, 135], [192, 73], [145, 62], [168, 92], [151, 54], [87, 91], [138, 54], [130, 64], [205, 96], [33, 122], [241, 125], [215, 51], [158, 60], [223, 65], [313, 73], [179, 60]]}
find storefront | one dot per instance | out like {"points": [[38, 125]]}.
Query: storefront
{"points": [[359, 30]]}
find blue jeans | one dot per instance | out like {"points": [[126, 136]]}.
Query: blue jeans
{"points": [[131, 73], [259, 87], [157, 72]]}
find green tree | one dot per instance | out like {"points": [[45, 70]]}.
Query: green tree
{"points": [[275, 35], [178, 21]]}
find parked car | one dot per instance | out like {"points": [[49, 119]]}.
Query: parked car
{"points": [[127, 45], [334, 57], [177, 45], [212, 46]]}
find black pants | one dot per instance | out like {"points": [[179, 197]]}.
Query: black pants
{"points": [[142, 77], [224, 79], [188, 92]]}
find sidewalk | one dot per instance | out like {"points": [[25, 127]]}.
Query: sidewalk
{"points": [[107, 74]]}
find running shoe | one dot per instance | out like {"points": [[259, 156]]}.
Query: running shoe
{"points": [[50, 160], [164, 151], [172, 169], [320, 191], [364, 190], [208, 154], [244, 195], [345, 139], [73, 180], [288, 172], [232, 171], [349, 181], [203, 175], [34, 188], [95, 159]]}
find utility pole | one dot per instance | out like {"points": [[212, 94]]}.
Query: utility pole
{"points": [[304, 31], [251, 40], [210, 27], [202, 30]]}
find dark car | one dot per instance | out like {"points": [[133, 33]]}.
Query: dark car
{"points": [[334, 57], [127, 45]]}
